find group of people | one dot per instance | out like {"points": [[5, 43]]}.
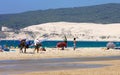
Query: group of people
{"points": [[62, 45], [24, 44]]}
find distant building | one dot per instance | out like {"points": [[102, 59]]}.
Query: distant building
{"points": [[3, 28]]}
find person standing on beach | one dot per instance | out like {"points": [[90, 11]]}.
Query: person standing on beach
{"points": [[37, 45], [65, 40], [74, 43], [22, 45]]}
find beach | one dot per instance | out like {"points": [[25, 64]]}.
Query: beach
{"points": [[55, 53], [71, 37], [56, 31], [112, 68]]}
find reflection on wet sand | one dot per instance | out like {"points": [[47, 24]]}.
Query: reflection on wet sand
{"points": [[21, 66]]}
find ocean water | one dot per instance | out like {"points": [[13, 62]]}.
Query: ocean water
{"points": [[14, 43]]}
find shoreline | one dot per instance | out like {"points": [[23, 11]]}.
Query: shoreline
{"points": [[62, 40]]}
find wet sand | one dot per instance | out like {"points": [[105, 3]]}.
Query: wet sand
{"points": [[53, 64], [112, 69], [61, 62]]}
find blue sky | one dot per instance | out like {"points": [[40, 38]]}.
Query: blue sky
{"points": [[17, 6]]}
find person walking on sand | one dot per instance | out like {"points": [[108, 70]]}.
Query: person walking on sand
{"points": [[37, 45], [74, 43]]}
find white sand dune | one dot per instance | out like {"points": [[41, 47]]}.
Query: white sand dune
{"points": [[83, 31]]}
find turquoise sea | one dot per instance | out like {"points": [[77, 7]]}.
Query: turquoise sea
{"points": [[14, 43]]}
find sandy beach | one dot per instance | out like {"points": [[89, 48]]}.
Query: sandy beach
{"points": [[112, 69], [55, 53], [73, 37], [56, 31]]}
